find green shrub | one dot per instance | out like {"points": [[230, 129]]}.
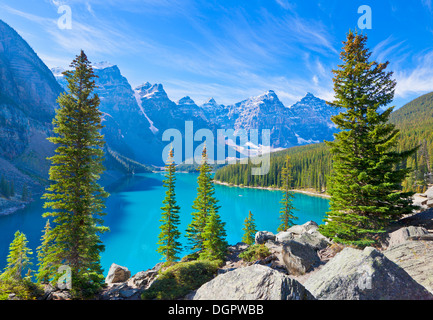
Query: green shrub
{"points": [[181, 278], [23, 289], [255, 252]]}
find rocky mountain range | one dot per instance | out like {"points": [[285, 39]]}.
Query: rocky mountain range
{"points": [[28, 93], [134, 118], [143, 114]]}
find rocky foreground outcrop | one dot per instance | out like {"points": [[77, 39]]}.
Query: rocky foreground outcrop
{"points": [[364, 275], [305, 265], [412, 249], [255, 282], [120, 286]]}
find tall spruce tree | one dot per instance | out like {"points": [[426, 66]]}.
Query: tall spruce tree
{"points": [[365, 186], [204, 203], [286, 213], [45, 267], [75, 198], [249, 229], [18, 260], [214, 238], [168, 245]]}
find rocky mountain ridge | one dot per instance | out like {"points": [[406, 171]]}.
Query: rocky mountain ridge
{"points": [[307, 121], [28, 93]]}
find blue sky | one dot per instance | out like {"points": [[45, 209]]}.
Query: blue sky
{"points": [[231, 49]]}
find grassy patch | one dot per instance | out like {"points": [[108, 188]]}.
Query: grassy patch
{"points": [[255, 252], [181, 278]]}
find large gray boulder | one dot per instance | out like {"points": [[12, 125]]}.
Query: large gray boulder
{"points": [[255, 282], [429, 193], [406, 234], [299, 257], [117, 274], [299, 229], [364, 275], [284, 236], [315, 239], [262, 236], [144, 279], [416, 258], [120, 291]]}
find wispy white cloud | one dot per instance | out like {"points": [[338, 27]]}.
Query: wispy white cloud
{"points": [[418, 80], [412, 72], [28, 16], [427, 3], [391, 50], [242, 59], [100, 37], [285, 4]]}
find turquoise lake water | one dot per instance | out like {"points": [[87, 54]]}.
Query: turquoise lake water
{"points": [[133, 214]]}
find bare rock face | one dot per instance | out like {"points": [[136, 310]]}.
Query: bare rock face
{"points": [[144, 279], [364, 275], [298, 257], [263, 236], [315, 239], [28, 93], [299, 229], [284, 236], [306, 233], [255, 282], [416, 258], [124, 287], [407, 234], [117, 274]]}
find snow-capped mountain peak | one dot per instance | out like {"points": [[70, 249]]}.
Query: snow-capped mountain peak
{"points": [[102, 65], [186, 100], [147, 91], [57, 71], [211, 101]]}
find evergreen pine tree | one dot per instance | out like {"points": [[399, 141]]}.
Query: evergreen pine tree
{"points": [[11, 189], [168, 244], [249, 229], [286, 212], [204, 203], [25, 193], [366, 180], [3, 186], [46, 266], [18, 260], [214, 238], [74, 196]]}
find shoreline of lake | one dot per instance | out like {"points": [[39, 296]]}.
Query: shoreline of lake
{"points": [[307, 192], [133, 215]]}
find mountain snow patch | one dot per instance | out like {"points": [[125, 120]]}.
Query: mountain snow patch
{"points": [[138, 99], [303, 141]]}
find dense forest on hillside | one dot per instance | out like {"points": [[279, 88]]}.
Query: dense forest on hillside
{"points": [[124, 164], [312, 163], [310, 166], [415, 121]]}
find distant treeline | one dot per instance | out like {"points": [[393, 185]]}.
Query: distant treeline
{"points": [[310, 166], [114, 159], [7, 190], [312, 163]]}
